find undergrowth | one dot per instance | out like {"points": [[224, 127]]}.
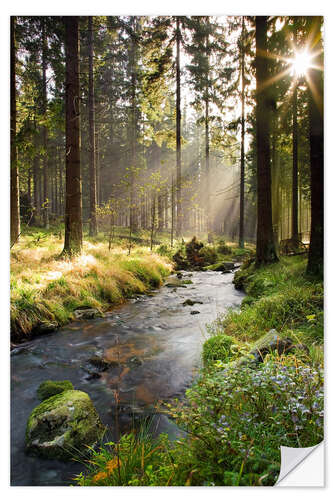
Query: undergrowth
{"points": [[237, 416], [46, 289]]}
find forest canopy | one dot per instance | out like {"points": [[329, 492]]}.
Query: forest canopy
{"points": [[181, 124]]}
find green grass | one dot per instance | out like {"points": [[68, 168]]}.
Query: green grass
{"points": [[280, 296], [46, 290], [237, 418]]}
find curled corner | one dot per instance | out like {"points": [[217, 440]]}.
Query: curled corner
{"points": [[292, 457]]}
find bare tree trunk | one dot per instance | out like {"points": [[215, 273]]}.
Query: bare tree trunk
{"points": [[265, 251], [275, 188], [294, 230], [14, 178], [91, 106], [133, 198], [316, 250], [242, 159], [98, 177], [178, 135], [44, 131], [172, 210], [73, 209]]}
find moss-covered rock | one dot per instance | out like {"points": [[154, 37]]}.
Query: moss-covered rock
{"points": [[270, 342], [52, 387], [63, 424]]}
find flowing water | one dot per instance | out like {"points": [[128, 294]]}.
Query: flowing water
{"points": [[155, 344]]}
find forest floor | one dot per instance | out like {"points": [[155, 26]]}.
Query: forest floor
{"points": [[237, 415], [46, 290]]}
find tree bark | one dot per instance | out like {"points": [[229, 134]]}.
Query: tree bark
{"points": [[242, 159], [294, 225], [265, 250], [178, 135], [46, 201], [73, 208], [14, 178], [315, 77], [133, 197], [92, 158]]}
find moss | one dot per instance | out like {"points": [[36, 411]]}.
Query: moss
{"points": [[63, 425], [52, 387], [218, 347]]}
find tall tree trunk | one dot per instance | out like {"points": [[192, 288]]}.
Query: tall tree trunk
{"points": [[172, 210], [56, 189], [133, 131], [178, 134], [36, 175], [92, 159], [242, 159], [316, 129], [294, 226], [46, 201], [73, 208], [98, 179], [14, 178], [265, 251], [208, 193], [275, 186]]}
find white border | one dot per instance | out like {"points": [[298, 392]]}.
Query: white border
{"points": [[146, 7]]}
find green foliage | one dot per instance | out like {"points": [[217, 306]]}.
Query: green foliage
{"points": [[219, 348], [279, 296], [137, 460], [222, 247], [240, 418], [165, 250], [208, 255], [236, 422], [52, 387]]}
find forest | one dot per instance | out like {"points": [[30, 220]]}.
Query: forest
{"points": [[155, 159]]}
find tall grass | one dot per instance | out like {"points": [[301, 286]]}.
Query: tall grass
{"points": [[46, 289], [282, 297]]}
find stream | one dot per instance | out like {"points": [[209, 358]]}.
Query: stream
{"points": [[154, 339]]}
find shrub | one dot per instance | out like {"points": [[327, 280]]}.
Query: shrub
{"points": [[192, 250], [218, 347], [240, 418], [223, 248], [165, 250], [209, 255]]}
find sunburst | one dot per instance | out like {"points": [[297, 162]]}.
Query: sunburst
{"points": [[301, 63]]}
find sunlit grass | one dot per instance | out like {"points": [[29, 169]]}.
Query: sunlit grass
{"points": [[46, 288]]}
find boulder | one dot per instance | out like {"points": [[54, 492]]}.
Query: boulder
{"points": [[44, 327], [52, 387], [101, 364], [62, 425], [189, 302], [269, 343], [223, 266], [195, 312], [87, 313], [135, 362]]}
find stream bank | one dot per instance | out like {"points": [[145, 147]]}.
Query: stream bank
{"points": [[154, 345]]}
